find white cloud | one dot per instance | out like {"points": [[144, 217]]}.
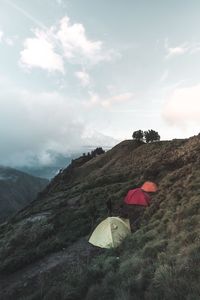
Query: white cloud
{"points": [[9, 41], [62, 3], [50, 48], [107, 102], [35, 125], [59, 2], [117, 99], [93, 100], [75, 42], [39, 52], [195, 48], [84, 78], [94, 139], [177, 51], [164, 76], [182, 109], [1, 35], [185, 48]]}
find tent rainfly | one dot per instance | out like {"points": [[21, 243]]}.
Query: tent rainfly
{"points": [[110, 232], [149, 187], [137, 197]]}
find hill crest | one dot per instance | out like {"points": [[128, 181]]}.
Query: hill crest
{"points": [[164, 248]]}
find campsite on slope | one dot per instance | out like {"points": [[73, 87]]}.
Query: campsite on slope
{"points": [[162, 246]]}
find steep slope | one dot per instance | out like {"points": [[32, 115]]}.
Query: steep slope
{"points": [[44, 252], [17, 189]]}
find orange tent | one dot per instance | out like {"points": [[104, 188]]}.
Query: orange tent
{"points": [[149, 187]]}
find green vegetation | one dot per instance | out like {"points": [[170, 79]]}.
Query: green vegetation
{"points": [[95, 152], [149, 136], [138, 135], [158, 261]]}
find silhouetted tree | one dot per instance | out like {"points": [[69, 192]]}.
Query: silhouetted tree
{"points": [[97, 151], [138, 135], [151, 136]]}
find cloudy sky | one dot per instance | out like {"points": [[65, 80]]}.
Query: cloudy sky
{"points": [[79, 72]]}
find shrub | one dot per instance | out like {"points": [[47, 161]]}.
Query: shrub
{"points": [[94, 292], [153, 248]]}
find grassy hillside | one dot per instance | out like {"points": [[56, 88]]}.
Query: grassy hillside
{"points": [[17, 189], [44, 252]]}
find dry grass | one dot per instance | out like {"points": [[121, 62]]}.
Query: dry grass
{"points": [[158, 261]]}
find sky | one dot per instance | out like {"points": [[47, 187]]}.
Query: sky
{"points": [[75, 73]]}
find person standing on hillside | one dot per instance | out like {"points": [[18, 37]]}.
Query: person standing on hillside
{"points": [[109, 207]]}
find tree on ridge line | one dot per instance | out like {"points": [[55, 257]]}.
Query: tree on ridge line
{"points": [[148, 136]]}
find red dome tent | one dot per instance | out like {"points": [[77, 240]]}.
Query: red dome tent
{"points": [[137, 197]]}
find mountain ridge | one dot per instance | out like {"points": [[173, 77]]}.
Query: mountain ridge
{"points": [[155, 262], [17, 189]]}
